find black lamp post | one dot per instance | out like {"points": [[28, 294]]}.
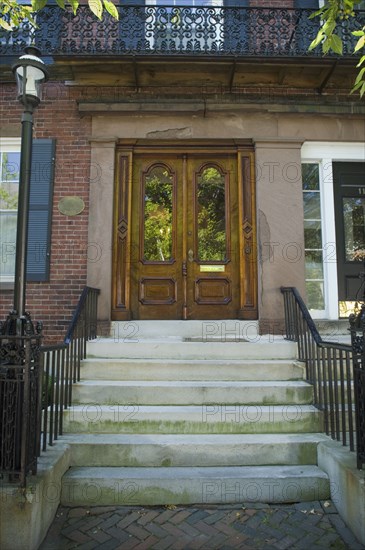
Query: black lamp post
{"points": [[20, 365], [30, 73]]}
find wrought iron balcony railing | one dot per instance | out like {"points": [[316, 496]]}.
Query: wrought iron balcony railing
{"points": [[208, 31]]}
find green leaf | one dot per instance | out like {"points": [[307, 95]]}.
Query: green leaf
{"points": [[329, 27], [318, 39], [360, 75], [38, 4], [336, 43], [362, 91], [96, 7], [356, 87], [61, 4], [326, 46], [358, 33], [316, 13], [362, 59], [74, 5], [5, 25], [110, 8], [360, 44]]}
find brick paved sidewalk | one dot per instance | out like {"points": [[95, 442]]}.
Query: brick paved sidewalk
{"points": [[307, 526]]}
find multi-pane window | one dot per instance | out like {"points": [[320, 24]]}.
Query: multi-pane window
{"points": [[314, 276], [9, 187]]}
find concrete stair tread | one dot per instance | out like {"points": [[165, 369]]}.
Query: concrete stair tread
{"points": [[192, 439], [195, 383], [188, 485], [187, 409], [191, 362], [243, 472]]}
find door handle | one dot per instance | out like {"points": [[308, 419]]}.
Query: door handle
{"points": [[190, 255]]}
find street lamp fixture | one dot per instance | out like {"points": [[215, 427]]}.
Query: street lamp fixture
{"points": [[30, 73]]}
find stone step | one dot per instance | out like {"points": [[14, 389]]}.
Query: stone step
{"points": [[195, 450], [230, 329], [269, 347], [140, 392], [155, 369], [210, 418], [162, 486]]}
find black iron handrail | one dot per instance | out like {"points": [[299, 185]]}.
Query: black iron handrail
{"points": [[61, 365], [36, 386], [329, 368], [146, 30]]}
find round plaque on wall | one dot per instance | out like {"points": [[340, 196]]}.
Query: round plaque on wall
{"points": [[71, 206]]}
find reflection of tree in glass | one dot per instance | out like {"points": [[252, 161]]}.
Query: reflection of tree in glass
{"points": [[354, 221], [211, 216], [158, 215], [9, 177]]}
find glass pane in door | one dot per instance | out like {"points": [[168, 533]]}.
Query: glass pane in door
{"points": [[158, 215], [354, 228], [211, 215]]}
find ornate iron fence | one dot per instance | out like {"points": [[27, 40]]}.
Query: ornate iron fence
{"points": [[330, 369], [175, 31], [357, 329], [20, 405], [35, 388]]}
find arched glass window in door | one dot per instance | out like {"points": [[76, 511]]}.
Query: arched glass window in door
{"points": [[211, 219], [158, 220]]}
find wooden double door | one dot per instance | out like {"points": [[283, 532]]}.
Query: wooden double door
{"points": [[190, 250]]}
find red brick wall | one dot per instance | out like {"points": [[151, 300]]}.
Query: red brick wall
{"points": [[57, 117]]}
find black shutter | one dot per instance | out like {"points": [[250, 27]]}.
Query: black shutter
{"points": [[40, 209]]}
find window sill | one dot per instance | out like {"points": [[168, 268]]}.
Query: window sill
{"points": [[6, 286]]}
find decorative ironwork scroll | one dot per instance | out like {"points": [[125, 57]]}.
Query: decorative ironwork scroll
{"points": [[175, 31], [20, 389], [357, 330]]}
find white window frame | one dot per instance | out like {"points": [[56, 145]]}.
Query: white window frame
{"points": [[8, 145], [325, 153]]}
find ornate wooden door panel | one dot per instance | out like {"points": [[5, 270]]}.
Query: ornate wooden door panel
{"points": [[212, 238], [184, 244], [156, 275]]}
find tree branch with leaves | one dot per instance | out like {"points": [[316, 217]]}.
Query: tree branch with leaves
{"points": [[332, 14], [13, 14]]}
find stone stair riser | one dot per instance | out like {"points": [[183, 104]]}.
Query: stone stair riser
{"points": [[192, 395], [206, 419], [190, 350], [130, 455], [118, 486], [125, 331], [100, 369]]}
